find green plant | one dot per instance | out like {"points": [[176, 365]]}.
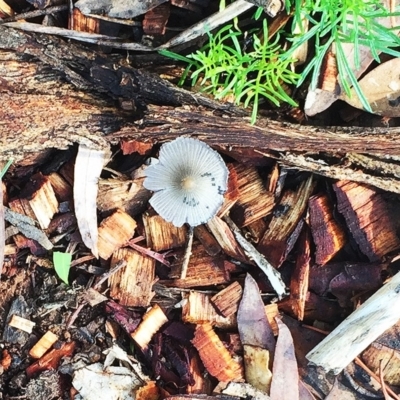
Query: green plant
{"points": [[62, 265], [334, 22], [224, 69], [5, 168]]}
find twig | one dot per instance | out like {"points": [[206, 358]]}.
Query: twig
{"points": [[35, 13], [104, 277], [382, 381], [272, 274], [188, 253], [361, 364]]}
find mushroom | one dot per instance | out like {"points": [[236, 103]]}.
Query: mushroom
{"points": [[188, 181]]}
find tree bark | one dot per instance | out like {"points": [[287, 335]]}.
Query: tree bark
{"points": [[55, 94]]}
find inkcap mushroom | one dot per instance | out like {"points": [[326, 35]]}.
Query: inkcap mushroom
{"points": [[188, 182]]}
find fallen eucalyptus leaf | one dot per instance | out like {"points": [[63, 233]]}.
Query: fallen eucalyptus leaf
{"points": [[285, 367], [88, 166]]}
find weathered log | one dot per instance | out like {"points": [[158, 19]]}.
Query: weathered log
{"points": [[40, 110]]}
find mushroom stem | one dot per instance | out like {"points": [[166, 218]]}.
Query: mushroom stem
{"points": [[188, 253]]}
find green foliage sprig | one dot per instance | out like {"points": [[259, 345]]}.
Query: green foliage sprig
{"points": [[336, 22], [223, 68]]}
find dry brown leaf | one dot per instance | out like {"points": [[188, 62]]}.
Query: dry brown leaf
{"points": [[88, 166], [285, 375], [254, 328], [381, 87]]}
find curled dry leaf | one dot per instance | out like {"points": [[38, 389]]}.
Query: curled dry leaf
{"points": [[381, 87], [88, 166]]}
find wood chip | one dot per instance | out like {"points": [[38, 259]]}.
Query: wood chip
{"points": [[44, 344], [37, 200], [198, 309], [21, 323], [114, 232], [329, 237], [254, 201], [276, 243], [227, 300], [215, 356], [163, 235], [368, 218], [132, 285], [152, 321], [203, 270]]}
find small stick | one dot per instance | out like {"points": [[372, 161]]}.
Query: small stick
{"points": [[272, 274], [359, 329], [361, 364], [188, 253], [35, 13]]}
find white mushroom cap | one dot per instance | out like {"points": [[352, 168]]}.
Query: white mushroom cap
{"points": [[189, 182]]}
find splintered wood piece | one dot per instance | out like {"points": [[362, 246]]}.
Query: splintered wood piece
{"points": [[228, 299], [132, 284], [300, 276], [62, 188], [21, 206], [257, 230], [37, 200], [152, 321], [155, 20], [114, 232], [359, 329], [274, 244], [215, 356], [272, 311], [128, 195], [226, 239], [254, 201], [198, 309], [162, 235], [21, 323], [44, 344], [232, 193], [203, 270], [51, 360], [368, 218], [82, 23], [202, 382], [328, 235], [207, 240]]}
